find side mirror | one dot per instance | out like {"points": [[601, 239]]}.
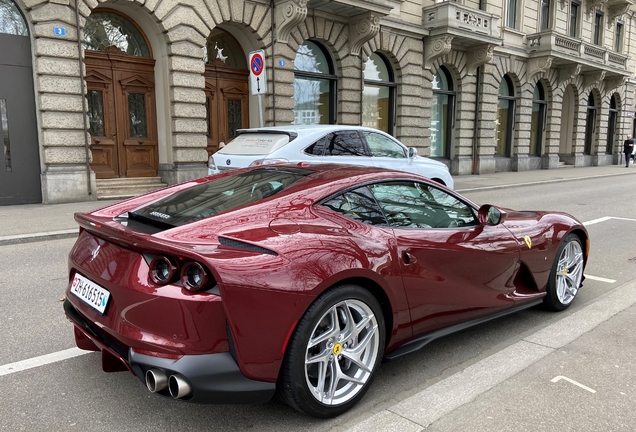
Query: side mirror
{"points": [[490, 215], [412, 152]]}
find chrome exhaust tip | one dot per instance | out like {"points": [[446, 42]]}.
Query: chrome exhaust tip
{"points": [[178, 386], [156, 380]]}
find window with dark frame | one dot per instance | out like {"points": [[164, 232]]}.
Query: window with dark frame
{"points": [[575, 6], [545, 15], [618, 36], [511, 14], [598, 27]]}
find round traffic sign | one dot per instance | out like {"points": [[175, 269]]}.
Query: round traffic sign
{"points": [[257, 64]]}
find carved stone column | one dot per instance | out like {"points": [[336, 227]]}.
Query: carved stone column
{"points": [[289, 13], [479, 56], [436, 47], [362, 28]]}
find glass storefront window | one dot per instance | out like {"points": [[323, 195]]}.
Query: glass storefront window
{"points": [[442, 112], [505, 117], [314, 86], [538, 120], [378, 95], [11, 20]]}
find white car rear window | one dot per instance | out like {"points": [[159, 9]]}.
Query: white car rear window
{"points": [[255, 144]]}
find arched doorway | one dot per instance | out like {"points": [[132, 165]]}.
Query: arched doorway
{"points": [[611, 125], [121, 97], [442, 113], [226, 89], [19, 149], [567, 122]]}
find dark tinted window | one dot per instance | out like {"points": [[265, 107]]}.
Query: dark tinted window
{"points": [[358, 205], [409, 204], [318, 148], [217, 196], [345, 143]]}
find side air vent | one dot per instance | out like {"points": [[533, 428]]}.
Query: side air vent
{"points": [[245, 246]]}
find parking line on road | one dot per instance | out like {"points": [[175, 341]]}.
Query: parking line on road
{"points": [[600, 279], [606, 218], [41, 360], [561, 377]]}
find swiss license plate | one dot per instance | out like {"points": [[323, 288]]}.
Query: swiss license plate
{"points": [[90, 293]]}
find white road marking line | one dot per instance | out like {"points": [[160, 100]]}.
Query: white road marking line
{"points": [[560, 377], [595, 221], [41, 360], [606, 218], [600, 279]]}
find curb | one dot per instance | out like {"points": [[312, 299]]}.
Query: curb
{"points": [[31, 238]]}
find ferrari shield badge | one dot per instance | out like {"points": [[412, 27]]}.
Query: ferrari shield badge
{"points": [[528, 241]]}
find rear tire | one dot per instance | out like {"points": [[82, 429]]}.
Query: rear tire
{"points": [[334, 353], [566, 274]]}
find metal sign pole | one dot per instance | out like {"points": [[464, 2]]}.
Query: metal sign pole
{"points": [[260, 110]]}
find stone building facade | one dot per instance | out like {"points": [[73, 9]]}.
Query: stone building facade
{"points": [[484, 86]]}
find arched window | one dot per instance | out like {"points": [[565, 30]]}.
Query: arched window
{"points": [[539, 106], [442, 113], [590, 124], [11, 20], [505, 117], [106, 29], [378, 95], [223, 47], [314, 86], [611, 125]]}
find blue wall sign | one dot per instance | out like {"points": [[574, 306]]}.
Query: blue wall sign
{"points": [[282, 63], [59, 31]]}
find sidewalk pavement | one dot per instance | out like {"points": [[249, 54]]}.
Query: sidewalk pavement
{"points": [[38, 222]]}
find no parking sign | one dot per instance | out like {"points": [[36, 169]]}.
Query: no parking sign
{"points": [[258, 80]]}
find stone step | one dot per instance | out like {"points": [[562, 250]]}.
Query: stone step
{"points": [[564, 165], [120, 188]]}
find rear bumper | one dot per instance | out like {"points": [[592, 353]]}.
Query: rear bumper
{"points": [[214, 378]]}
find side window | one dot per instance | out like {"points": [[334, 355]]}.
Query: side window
{"points": [[345, 143], [318, 148], [358, 205], [417, 205], [382, 146]]}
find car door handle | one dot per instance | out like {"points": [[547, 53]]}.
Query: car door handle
{"points": [[408, 258]]}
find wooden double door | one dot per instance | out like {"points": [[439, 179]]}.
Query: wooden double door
{"points": [[122, 114], [227, 98]]}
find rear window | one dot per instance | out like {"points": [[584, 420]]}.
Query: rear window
{"points": [[217, 196], [255, 144]]}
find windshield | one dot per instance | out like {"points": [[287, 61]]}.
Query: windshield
{"points": [[255, 143], [217, 196]]}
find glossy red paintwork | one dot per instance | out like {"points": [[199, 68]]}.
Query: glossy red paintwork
{"points": [[458, 274]]}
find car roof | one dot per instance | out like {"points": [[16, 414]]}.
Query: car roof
{"points": [[307, 128]]}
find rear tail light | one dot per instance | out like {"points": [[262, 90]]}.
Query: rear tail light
{"points": [[269, 162], [193, 276], [162, 270]]}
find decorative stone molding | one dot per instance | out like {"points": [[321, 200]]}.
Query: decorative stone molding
{"points": [[289, 13], [362, 29], [615, 12], [569, 72], [593, 79], [538, 66], [592, 5], [614, 83], [479, 56], [435, 48]]}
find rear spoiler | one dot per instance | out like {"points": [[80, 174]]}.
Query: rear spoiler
{"points": [[292, 135]]}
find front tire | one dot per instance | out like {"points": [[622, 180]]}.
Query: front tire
{"points": [[334, 353], [566, 274]]}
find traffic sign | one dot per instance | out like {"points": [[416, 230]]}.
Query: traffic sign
{"points": [[258, 80]]}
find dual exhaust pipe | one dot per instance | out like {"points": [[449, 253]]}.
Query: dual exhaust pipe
{"points": [[157, 380]]}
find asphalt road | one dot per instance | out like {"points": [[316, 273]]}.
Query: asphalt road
{"points": [[75, 394]]}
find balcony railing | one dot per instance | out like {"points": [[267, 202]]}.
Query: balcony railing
{"points": [[554, 44], [463, 21]]}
